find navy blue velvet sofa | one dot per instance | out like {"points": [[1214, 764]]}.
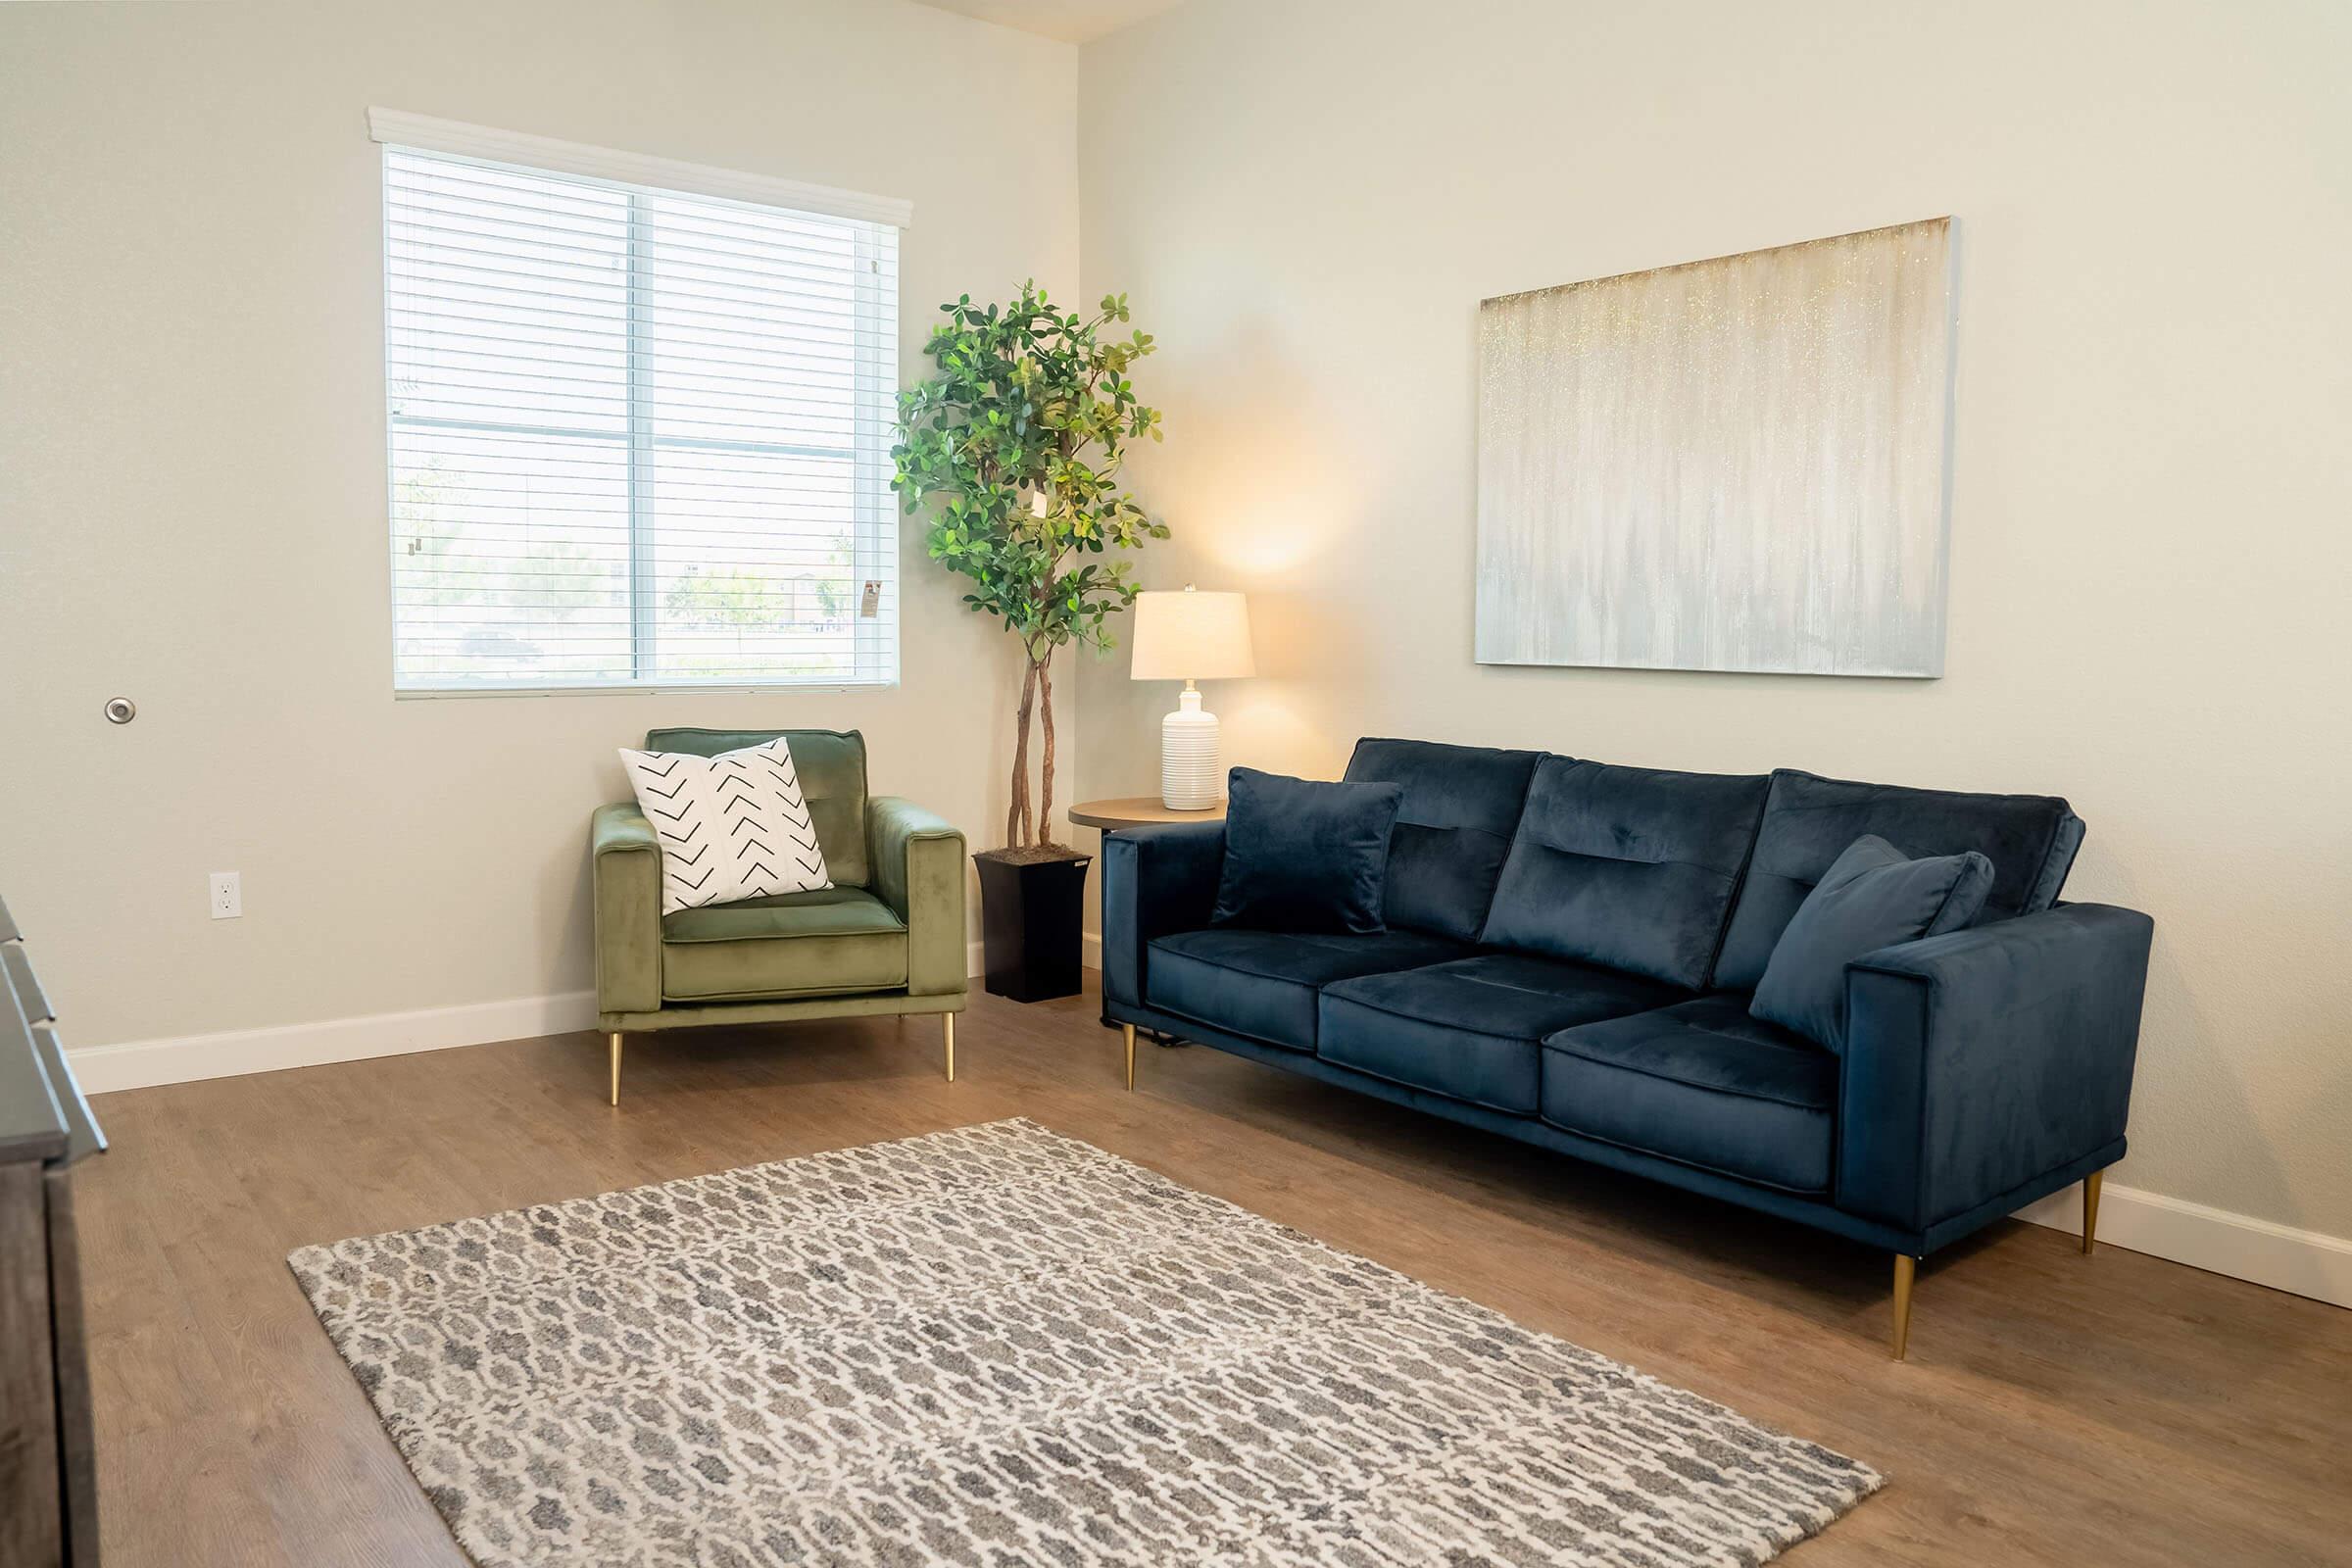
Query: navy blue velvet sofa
{"points": [[1569, 953]]}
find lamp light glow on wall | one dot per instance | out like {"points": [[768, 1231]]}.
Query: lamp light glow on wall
{"points": [[1191, 636]]}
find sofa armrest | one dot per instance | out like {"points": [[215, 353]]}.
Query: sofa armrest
{"points": [[918, 858], [1155, 880], [1977, 1061], [625, 863]]}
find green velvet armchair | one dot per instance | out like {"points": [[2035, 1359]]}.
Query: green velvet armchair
{"points": [[886, 938]]}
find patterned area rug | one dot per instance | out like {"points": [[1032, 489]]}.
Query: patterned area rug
{"points": [[1001, 1347]]}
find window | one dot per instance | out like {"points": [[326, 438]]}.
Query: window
{"points": [[639, 428]]}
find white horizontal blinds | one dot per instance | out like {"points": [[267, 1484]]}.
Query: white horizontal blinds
{"points": [[637, 436]]}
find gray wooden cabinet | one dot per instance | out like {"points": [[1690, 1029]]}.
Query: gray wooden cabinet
{"points": [[48, 1473]]}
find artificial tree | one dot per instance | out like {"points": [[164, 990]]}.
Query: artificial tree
{"points": [[1018, 440]]}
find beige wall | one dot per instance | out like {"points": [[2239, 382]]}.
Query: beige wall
{"points": [[2150, 536], [2150, 559], [192, 475]]}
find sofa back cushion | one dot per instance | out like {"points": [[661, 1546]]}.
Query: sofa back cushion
{"points": [[1461, 803], [1809, 822], [831, 764], [1632, 868]]}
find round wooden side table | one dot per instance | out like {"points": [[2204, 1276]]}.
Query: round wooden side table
{"points": [[1137, 811]]}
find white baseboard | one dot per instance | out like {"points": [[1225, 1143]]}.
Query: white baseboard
{"points": [[2280, 1256], [182, 1058], [2303, 1263]]}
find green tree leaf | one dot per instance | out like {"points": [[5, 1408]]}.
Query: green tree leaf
{"points": [[1017, 443]]}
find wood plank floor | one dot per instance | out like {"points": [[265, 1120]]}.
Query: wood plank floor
{"points": [[2116, 1409]]}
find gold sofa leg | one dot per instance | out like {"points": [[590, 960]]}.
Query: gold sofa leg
{"points": [[1906, 1267], [2091, 1210], [948, 1029], [616, 1066], [1128, 1030]]}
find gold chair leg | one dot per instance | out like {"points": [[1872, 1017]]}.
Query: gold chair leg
{"points": [[948, 1030], [1905, 1266], [616, 1066], [2091, 1210], [1129, 1031]]}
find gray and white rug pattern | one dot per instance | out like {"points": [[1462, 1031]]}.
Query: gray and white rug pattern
{"points": [[997, 1346]]}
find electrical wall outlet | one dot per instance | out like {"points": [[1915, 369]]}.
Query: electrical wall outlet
{"points": [[227, 895]]}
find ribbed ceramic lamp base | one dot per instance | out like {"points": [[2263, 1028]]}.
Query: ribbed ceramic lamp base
{"points": [[1190, 780]]}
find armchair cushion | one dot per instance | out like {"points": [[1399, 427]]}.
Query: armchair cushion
{"points": [[831, 766], [832, 942], [732, 826], [824, 911]]}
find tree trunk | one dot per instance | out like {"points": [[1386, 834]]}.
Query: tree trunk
{"points": [[1045, 695], [1016, 812]]}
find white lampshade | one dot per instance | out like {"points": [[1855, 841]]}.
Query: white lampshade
{"points": [[1192, 636]]}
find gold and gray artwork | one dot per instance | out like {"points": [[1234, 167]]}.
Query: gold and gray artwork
{"points": [[1736, 464]]}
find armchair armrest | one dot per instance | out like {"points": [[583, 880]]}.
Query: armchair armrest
{"points": [[1155, 880], [918, 858], [1978, 1060], [625, 861]]}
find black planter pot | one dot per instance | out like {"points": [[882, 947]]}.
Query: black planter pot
{"points": [[1031, 914]]}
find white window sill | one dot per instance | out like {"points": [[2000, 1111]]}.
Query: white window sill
{"points": [[691, 688]]}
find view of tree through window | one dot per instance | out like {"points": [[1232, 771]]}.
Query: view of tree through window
{"points": [[636, 437]]}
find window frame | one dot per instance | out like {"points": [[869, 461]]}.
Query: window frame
{"points": [[874, 535]]}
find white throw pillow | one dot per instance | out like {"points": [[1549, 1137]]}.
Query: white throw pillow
{"points": [[732, 826]]}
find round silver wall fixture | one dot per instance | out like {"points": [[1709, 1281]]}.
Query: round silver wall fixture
{"points": [[121, 709]]}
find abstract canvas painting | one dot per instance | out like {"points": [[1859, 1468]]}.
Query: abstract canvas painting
{"points": [[1737, 463]]}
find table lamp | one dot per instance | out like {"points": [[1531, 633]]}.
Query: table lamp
{"points": [[1191, 636]]}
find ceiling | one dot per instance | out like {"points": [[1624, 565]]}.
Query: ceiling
{"points": [[1070, 21]]}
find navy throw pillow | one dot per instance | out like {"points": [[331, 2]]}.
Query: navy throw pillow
{"points": [[1872, 897], [1301, 856]]}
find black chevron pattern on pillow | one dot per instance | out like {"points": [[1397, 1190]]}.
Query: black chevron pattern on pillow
{"points": [[731, 827]]}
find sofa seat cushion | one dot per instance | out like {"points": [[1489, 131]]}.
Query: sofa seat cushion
{"points": [[834, 942], [1701, 1082], [1469, 1029], [1263, 984]]}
